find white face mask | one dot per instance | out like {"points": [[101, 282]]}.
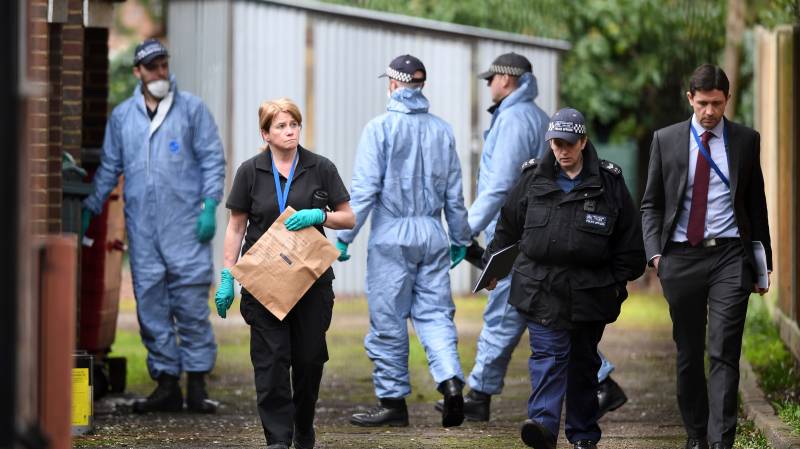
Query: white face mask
{"points": [[158, 88]]}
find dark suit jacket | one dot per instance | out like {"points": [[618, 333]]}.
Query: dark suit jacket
{"points": [[667, 177]]}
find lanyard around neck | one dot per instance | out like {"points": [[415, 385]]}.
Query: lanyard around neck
{"points": [[283, 195], [706, 152]]}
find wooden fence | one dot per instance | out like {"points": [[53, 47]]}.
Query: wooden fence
{"points": [[777, 118]]}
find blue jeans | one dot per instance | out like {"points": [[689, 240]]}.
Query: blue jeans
{"points": [[564, 365]]}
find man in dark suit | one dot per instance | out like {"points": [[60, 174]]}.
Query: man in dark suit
{"points": [[702, 211]]}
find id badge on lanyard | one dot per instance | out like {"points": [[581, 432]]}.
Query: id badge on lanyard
{"points": [[283, 195]]}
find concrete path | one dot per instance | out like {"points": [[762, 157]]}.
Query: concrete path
{"points": [[639, 344]]}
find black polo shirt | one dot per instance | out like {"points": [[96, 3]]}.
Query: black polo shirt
{"points": [[253, 191]]}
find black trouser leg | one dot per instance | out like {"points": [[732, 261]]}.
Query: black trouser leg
{"points": [[581, 397], [270, 352], [707, 286], [727, 309], [297, 342], [310, 319]]}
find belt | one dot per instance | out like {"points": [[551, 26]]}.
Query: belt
{"points": [[707, 243]]}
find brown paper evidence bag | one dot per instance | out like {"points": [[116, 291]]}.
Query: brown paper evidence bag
{"points": [[282, 265]]}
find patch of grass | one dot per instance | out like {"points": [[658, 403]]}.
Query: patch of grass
{"points": [[774, 364], [749, 437], [790, 414], [644, 311]]}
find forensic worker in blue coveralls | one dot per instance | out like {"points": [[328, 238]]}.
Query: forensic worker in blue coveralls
{"points": [[515, 135], [407, 172], [165, 142], [580, 242]]}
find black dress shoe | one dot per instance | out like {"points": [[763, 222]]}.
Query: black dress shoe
{"points": [[278, 446], [476, 406], [537, 436], [696, 443], [453, 406], [390, 412], [585, 444], [720, 446], [609, 397], [196, 396], [167, 397]]}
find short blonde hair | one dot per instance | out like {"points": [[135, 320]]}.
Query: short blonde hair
{"points": [[269, 109]]}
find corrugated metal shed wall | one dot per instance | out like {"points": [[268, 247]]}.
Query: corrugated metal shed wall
{"points": [[334, 80]]}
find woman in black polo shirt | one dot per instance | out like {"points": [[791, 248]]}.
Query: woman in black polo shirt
{"points": [[284, 174]]}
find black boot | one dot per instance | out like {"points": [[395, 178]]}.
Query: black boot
{"points": [[196, 397], [476, 406], [166, 397], [609, 397], [453, 405], [390, 412]]}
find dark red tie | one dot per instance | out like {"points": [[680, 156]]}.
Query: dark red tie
{"points": [[695, 230]]}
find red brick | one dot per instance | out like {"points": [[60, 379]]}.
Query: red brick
{"points": [[37, 11], [72, 108], [56, 136], [54, 212], [37, 27], [72, 63], [38, 121], [37, 137], [72, 93], [72, 140], [72, 78], [73, 48], [38, 106], [72, 33], [38, 73]]}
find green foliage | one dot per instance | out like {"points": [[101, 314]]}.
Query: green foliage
{"points": [[771, 13], [121, 79], [630, 58], [771, 360], [749, 437]]}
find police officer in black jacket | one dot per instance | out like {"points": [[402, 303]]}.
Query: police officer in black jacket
{"points": [[580, 242]]}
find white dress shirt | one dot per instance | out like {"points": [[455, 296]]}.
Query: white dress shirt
{"points": [[720, 220]]}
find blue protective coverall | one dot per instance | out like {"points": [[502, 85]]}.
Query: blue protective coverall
{"points": [[515, 135], [171, 164], [407, 172]]}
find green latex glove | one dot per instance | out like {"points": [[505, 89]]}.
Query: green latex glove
{"points": [[86, 218], [224, 296], [207, 221], [342, 247], [457, 254], [304, 218]]}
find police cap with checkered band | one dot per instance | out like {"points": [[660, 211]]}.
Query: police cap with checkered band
{"points": [[403, 68], [567, 124], [148, 51], [507, 64]]}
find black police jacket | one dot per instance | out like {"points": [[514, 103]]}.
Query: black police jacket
{"points": [[577, 249]]}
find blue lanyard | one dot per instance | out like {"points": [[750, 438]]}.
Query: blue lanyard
{"points": [[707, 154], [283, 195]]}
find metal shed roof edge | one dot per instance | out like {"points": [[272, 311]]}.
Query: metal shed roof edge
{"points": [[416, 22]]}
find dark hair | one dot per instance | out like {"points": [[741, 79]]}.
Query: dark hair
{"points": [[709, 77]]}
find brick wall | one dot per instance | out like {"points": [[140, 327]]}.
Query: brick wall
{"points": [[67, 66], [37, 121]]}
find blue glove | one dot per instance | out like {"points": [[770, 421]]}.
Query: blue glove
{"points": [[457, 254], [224, 296], [86, 218], [342, 247], [207, 221], [304, 218]]}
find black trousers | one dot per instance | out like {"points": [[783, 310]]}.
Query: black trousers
{"points": [[707, 288], [287, 358]]}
